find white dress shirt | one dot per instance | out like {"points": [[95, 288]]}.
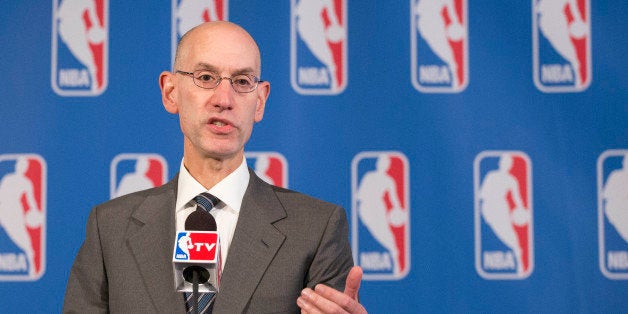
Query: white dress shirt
{"points": [[230, 191]]}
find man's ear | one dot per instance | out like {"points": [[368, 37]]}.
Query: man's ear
{"points": [[263, 90], [166, 84]]}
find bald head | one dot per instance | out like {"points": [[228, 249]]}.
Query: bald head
{"points": [[216, 35], [216, 121]]}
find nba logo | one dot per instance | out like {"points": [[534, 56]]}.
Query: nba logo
{"points": [[380, 214], [187, 14], [612, 187], [197, 246], [22, 217], [271, 167], [439, 44], [80, 47], [318, 47], [135, 172], [503, 215], [561, 45]]}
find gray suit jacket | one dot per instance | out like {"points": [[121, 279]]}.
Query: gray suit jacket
{"points": [[283, 242]]}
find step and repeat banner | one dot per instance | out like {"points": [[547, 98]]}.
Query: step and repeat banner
{"points": [[480, 148]]}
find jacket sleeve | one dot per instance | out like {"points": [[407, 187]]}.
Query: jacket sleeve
{"points": [[333, 258], [87, 289]]}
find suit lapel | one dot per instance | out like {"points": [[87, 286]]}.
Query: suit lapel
{"points": [[255, 243], [152, 246]]}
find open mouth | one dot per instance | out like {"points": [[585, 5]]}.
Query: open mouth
{"points": [[220, 126]]}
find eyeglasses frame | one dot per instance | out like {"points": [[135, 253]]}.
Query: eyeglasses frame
{"points": [[220, 78]]}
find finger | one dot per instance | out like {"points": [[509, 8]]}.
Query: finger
{"points": [[312, 302], [354, 279], [339, 301], [306, 306]]}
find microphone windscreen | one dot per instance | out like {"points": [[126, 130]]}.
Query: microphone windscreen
{"points": [[200, 220], [201, 272]]}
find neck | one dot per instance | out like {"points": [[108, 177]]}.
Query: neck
{"points": [[209, 171]]}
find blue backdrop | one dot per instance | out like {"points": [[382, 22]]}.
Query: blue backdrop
{"points": [[444, 94]]}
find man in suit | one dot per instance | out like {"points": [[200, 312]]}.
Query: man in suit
{"points": [[282, 250]]}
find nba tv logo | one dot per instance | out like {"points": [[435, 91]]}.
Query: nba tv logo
{"points": [[22, 217], [135, 172], [80, 47], [504, 246], [561, 45], [380, 214], [612, 187], [318, 47], [439, 45], [197, 246], [271, 167], [187, 14]]}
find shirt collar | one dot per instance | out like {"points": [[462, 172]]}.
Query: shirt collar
{"points": [[229, 190]]}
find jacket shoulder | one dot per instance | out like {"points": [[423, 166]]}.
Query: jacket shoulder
{"points": [[124, 205]]}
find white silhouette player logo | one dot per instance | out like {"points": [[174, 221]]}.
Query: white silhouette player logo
{"points": [[76, 35], [380, 202], [372, 209], [561, 32], [261, 167], [137, 180], [187, 14], [272, 167], [319, 35], [191, 13], [16, 218], [496, 210], [503, 203], [446, 38], [149, 170], [185, 244], [432, 28], [615, 197], [613, 213]]}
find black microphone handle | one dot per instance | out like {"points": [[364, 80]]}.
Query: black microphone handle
{"points": [[195, 290]]}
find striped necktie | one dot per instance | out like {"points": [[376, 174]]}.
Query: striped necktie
{"points": [[205, 202]]}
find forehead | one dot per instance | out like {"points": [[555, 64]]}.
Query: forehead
{"points": [[224, 48]]}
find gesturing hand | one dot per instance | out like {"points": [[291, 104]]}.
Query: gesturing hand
{"points": [[324, 299]]}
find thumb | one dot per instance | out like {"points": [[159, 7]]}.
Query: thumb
{"points": [[353, 282]]}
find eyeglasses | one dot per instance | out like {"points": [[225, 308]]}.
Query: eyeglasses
{"points": [[241, 83]]}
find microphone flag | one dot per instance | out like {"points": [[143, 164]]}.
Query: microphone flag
{"points": [[197, 250]]}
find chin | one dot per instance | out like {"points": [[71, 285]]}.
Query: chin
{"points": [[222, 154]]}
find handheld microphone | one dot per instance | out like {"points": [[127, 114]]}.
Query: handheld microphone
{"points": [[197, 254]]}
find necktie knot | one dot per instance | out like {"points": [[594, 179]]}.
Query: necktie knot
{"points": [[206, 201]]}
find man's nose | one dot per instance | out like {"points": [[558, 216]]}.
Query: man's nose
{"points": [[223, 95]]}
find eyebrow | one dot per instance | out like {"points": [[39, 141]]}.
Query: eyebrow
{"points": [[212, 68]]}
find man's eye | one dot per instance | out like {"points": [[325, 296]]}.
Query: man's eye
{"points": [[243, 81], [205, 77]]}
